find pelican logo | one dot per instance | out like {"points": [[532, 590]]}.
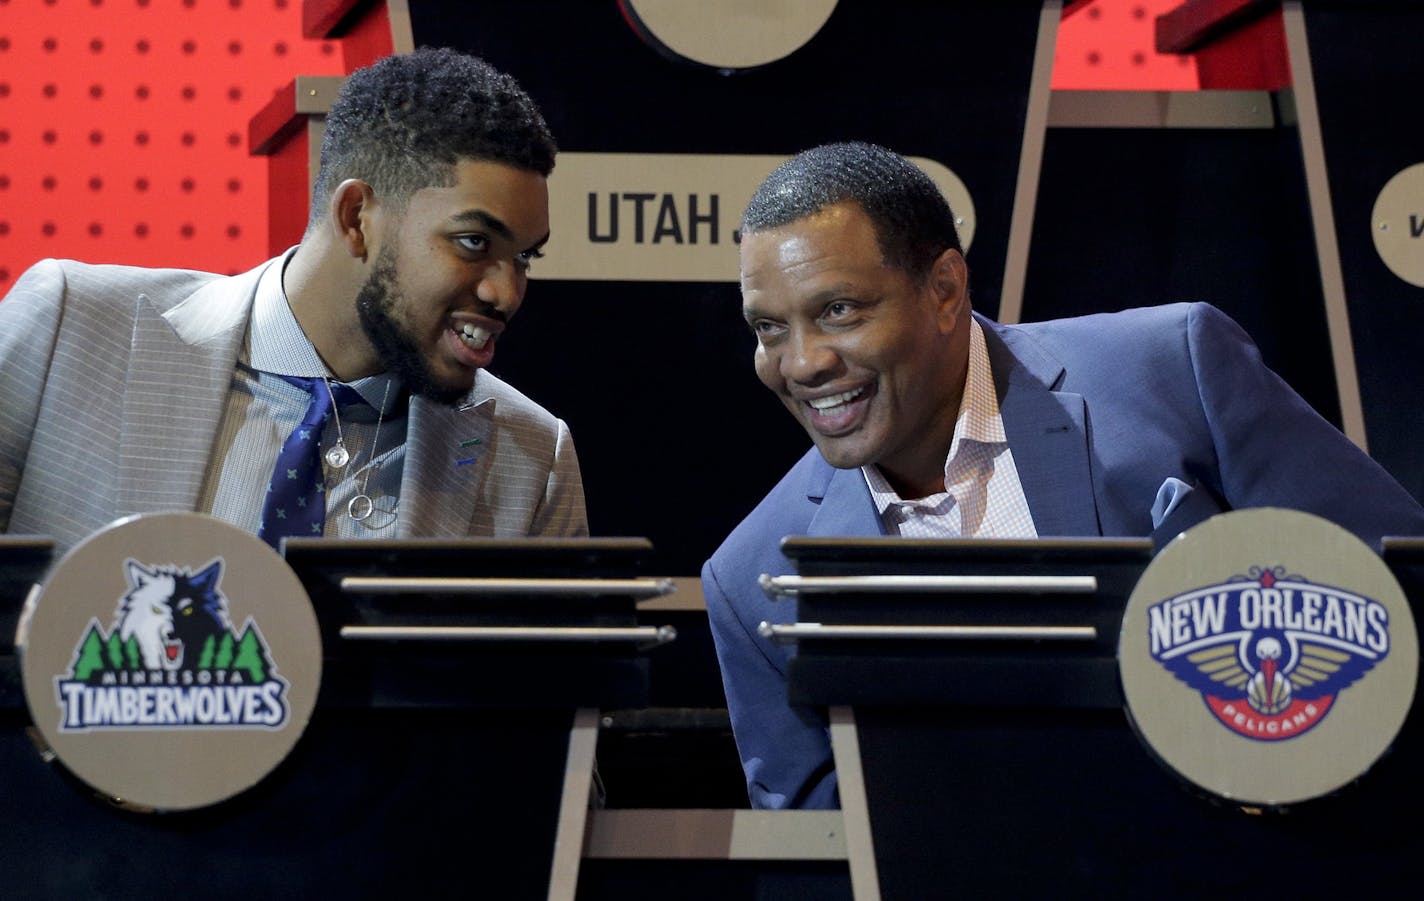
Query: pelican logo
{"points": [[1269, 652], [1279, 685]]}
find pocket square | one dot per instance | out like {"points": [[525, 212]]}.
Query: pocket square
{"points": [[1169, 497]]}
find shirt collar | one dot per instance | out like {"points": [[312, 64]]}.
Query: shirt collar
{"points": [[979, 418], [978, 421], [275, 340], [277, 344]]}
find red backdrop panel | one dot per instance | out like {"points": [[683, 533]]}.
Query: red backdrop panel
{"points": [[123, 127]]}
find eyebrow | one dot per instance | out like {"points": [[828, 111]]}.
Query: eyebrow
{"points": [[494, 224], [833, 292], [828, 294]]}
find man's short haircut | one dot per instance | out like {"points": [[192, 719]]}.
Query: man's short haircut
{"points": [[913, 222], [402, 123]]}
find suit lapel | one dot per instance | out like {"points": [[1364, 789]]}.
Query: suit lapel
{"points": [[178, 379], [846, 508], [448, 453], [1047, 432]]}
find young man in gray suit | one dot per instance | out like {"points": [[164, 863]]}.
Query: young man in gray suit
{"points": [[930, 420], [124, 390]]}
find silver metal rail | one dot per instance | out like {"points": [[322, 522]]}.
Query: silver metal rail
{"points": [[648, 635], [788, 633], [791, 586], [638, 588]]}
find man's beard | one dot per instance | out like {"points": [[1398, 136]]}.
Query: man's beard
{"points": [[376, 307]]}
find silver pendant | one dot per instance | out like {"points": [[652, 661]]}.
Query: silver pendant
{"points": [[337, 457], [360, 507]]}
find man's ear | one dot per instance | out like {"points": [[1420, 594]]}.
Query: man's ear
{"points": [[352, 205], [949, 284]]}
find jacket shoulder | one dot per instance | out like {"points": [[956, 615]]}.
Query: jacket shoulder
{"points": [[103, 286], [511, 405], [1138, 324], [785, 510], [1108, 349]]}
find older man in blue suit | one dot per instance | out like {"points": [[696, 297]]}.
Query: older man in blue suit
{"points": [[931, 421]]}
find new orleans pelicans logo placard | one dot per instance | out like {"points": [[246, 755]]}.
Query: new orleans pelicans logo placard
{"points": [[172, 638], [1268, 657], [1269, 652], [172, 659]]}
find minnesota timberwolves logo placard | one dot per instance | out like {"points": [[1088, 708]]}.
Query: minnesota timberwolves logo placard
{"points": [[1268, 656], [171, 638], [172, 659]]}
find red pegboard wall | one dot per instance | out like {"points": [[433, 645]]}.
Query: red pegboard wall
{"points": [[1111, 45], [123, 128]]}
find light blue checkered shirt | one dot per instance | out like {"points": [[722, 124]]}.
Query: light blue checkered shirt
{"points": [[984, 498]]}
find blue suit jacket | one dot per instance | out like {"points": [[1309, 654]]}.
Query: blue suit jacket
{"points": [[1101, 411]]}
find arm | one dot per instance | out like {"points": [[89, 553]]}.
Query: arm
{"points": [[29, 325], [561, 513], [785, 750], [1275, 450]]}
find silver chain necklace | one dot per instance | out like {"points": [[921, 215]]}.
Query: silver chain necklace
{"points": [[361, 506], [337, 456]]}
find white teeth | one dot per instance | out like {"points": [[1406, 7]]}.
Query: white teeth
{"points": [[835, 400], [474, 335]]}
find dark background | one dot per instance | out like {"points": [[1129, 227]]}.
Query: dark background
{"points": [[678, 440]]}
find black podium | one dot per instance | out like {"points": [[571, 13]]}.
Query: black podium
{"points": [[23, 560], [450, 753], [983, 750]]}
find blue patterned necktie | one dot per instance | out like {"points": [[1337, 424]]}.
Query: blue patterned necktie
{"points": [[296, 498]]}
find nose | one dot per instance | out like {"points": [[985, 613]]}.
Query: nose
{"points": [[502, 286], [809, 358]]}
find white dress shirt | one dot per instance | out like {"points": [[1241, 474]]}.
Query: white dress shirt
{"points": [[984, 498]]}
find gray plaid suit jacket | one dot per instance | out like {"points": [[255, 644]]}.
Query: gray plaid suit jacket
{"points": [[112, 385]]}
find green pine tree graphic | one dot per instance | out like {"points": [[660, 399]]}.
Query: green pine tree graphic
{"points": [[223, 660], [250, 655], [205, 659], [115, 647], [91, 655]]}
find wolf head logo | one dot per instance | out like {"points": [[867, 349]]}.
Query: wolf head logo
{"points": [[171, 611]]}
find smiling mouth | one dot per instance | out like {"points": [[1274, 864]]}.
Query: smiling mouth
{"points": [[474, 336], [829, 406]]}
